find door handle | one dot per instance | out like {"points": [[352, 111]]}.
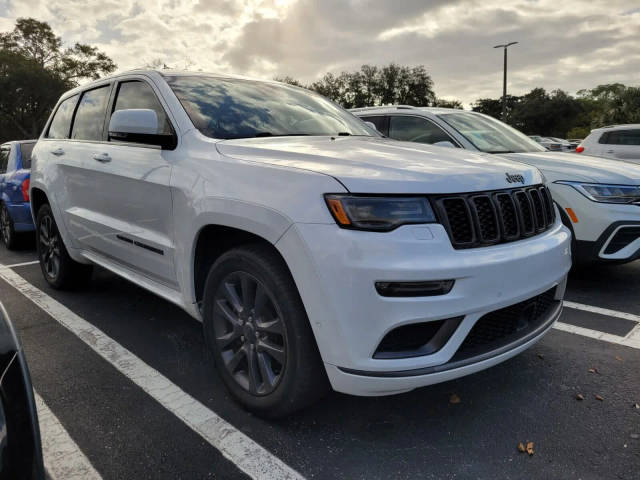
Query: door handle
{"points": [[57, 152], [102, 157], [611, 151]]}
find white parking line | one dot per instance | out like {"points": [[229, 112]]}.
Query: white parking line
{"points": [[602, 311], [245, 453], [63, 459], [23, 264], [630, 340]]}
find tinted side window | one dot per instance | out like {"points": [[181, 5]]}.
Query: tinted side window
{"points": [[89, 121], [25, 154], [61, 123], [380, 121], [415, 129], [623, 137], [4, 159], [137, 94]]}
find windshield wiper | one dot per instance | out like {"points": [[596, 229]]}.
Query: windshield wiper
{"points": [[500, 151]]}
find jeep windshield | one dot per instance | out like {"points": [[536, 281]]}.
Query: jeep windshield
{"points": [[490, 135], [235, 108]]}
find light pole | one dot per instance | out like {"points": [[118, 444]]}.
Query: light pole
{"points": [[504, 79]]}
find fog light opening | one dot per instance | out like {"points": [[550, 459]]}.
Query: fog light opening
{"points": [[414, 289]]}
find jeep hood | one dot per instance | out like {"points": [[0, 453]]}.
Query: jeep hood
{"points": [[582, 168], [380, 165]]}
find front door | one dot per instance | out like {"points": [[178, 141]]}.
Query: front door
{"points": [[128, 210]]}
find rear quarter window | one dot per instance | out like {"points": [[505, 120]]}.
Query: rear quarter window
{"points": [[60, 126], [25, 153], [621, 137]]}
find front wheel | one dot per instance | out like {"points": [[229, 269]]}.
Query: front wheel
{"points": [[58, 268], [258, 332]]}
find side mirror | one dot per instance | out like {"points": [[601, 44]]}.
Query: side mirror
{"points": [[445, 143], [138, 125]]}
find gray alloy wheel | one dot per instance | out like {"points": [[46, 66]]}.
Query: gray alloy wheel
{"points": [[49, 243], [6, 227], [249, 332]]}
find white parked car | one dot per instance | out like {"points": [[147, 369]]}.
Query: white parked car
{"points": [[311, 248], [599, 199], [565, 145], [620, 142], [547, 143]]}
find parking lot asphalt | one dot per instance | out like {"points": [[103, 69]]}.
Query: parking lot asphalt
{"points": [[127, 378]]}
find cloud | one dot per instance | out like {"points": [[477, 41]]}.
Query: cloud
{"points": [[569, 45]]}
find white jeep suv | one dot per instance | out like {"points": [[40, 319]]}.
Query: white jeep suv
{"points": [[599, 199], [315, 251]]}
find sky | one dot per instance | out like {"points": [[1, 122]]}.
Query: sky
{"points": [[566, 44]]}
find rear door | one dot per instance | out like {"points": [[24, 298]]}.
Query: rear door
{"points": [[63, 172], [129, 208], [621, 144]]}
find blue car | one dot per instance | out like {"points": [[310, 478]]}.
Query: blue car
{"points": [[15, 171]]}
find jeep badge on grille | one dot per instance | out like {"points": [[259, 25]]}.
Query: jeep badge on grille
{"points": [[515, 178]]}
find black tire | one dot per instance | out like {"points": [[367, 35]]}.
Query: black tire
{"points": [[58, 268], [7, 229], [276, 322]]}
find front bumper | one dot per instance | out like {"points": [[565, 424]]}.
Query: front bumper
{"points": [[597, 226], [335, 271]]}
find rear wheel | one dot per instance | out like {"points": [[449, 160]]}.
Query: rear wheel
{"points": [[58, 268], [258, 332], [7, 229]]}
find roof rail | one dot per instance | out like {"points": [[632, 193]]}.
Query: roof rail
{"points": [[405, 107]]}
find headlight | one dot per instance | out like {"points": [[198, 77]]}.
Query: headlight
{"points": [[363, 212], [600, 192]]}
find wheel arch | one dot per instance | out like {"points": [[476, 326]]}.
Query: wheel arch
{"points": [[213, 240]]}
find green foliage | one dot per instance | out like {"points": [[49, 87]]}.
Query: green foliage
{"points": [[35, 69], [559, 114], [372, 85], [578, 132], [443, 103]]}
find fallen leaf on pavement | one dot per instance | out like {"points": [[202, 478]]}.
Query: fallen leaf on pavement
{"points": [[521, 447], [455, 399], [530, 448], [593, 370], [619, 358], [579, 397], [598, 397], [540, 356], [636, 405]]}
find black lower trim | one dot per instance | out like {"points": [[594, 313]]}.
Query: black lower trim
{"points": [[589, 252], [552, 316], [140, 244]]}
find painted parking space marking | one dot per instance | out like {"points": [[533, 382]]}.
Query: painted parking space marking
{"points": [[632, 339], [602, 311], [246, 454], [22, 264], [63, 459]]}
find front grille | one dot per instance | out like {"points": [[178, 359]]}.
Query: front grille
{"points": [[489, 218], [622, 238], [504, 326]]}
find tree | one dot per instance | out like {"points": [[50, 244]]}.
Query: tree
{"points": [[35, 69], [372, 85], [443, 103], [35, 40], [27, 93]]}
